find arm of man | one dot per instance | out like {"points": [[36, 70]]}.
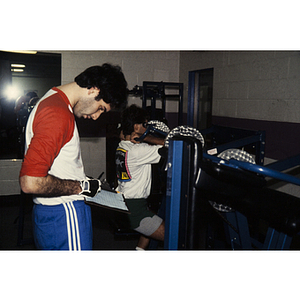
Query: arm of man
{"points": [[154, 140], [49, 186], [139, 131], [44, 147], [150, 139]]}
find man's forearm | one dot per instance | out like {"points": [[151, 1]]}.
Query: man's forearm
{"points": [[150, 139], [154, 140], [49, 186]]}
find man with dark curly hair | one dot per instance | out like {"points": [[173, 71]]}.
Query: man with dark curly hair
{"points": [[52, 169]]}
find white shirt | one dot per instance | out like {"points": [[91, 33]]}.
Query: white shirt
{"points": [[133, 163]]}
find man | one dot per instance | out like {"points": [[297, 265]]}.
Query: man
{"points": [[133, 166], [52, 169]]}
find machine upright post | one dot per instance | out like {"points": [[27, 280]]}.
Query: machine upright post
{"points": [[260, 148], [173, 194]]}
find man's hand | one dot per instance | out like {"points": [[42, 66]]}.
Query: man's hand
{"points": [[90, 187], [134, 137]]}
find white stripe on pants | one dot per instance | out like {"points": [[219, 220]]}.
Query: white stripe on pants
{"points": [[72, 226]]}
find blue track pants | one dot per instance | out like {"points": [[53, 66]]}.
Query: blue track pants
{"points": [[67, 226]]}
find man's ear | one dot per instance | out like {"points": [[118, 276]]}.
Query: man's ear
{"points": [[93, 90]]}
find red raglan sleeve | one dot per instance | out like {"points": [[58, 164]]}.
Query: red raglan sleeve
{"points": [[53, 127]]}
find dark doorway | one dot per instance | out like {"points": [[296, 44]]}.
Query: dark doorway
{"points": [[200, 98]]}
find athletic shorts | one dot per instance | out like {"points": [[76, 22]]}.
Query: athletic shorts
{"points": [[66, 226], [141, 218]]}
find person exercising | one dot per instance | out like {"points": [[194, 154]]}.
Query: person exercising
{"points": [[133, 167]]}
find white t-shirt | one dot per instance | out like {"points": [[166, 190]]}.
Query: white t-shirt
{"points": [[133, 165]]}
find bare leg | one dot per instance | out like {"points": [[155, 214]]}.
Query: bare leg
{"points": [[159, 234], [143, 242]]}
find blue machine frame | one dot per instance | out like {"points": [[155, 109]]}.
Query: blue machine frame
{"points": [[173, 195], [274, 239]]}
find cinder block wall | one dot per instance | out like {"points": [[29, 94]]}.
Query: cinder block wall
{"points": [[259, 85]]}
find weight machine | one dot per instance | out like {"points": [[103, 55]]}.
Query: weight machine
{"points": [[154, 91], [195, 177]]}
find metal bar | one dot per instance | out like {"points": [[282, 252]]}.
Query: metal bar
{"points": [[231, 229], [285, 164], [163, 103], [236, 164], [266, 172], [180, 110], [153, 107], [282, 241], [286, 243], [191, 99], [243, 228], [173, 193], [260, 148], [144, 100], [276, 240], [269, 241]]}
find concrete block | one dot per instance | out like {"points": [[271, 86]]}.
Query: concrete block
{"points": [[281, 54], [10, 169], [237, 90], [249, 57], [273, 69], [248, 109], [10, 187], [294, 66], [267, 89], [226, 108], [135, 66], [161, 75], [273, 110], [9, 176]]}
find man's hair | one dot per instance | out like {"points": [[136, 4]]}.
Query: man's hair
{"points": [[111, 82], [133, 115]]}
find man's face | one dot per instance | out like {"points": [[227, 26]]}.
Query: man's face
{"points": [[89, 108], [140, 128]]}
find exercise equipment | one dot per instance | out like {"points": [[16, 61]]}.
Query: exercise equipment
{"points": [[155, 128], [163, 91], [195, 178]]}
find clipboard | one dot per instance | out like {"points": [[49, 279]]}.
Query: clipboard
{"points": [[109, 199]]}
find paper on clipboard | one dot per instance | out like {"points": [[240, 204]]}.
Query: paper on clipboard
{"points": [[109, 199]]}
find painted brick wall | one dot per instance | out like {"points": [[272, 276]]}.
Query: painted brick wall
{"points": [[259, 85]]}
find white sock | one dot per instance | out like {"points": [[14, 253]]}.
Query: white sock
{"points": [[139, 248]]}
